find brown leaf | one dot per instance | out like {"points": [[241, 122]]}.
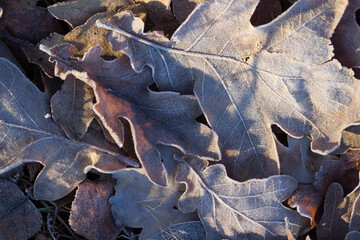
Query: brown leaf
{"points": [[28, 134], [155, 117], [72, 107], [346, 38], [90, 214], [19, 16], [19, 218], [84, 36], [350, 140], [307, 201]]}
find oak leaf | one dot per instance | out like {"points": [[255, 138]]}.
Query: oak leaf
{"points": [[247, 78], [155, 117], [28, 134], [151, 207], [237, 210], [19, 218]]}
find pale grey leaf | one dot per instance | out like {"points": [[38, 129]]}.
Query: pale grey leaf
{"points": [[140, 203], [237, 210]]}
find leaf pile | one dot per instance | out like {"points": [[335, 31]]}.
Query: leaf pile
{"points": [[186, 119]]}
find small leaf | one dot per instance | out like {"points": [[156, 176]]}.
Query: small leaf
{"points": [[19, 218], [90, 214], [71, 107], [233, 210]]}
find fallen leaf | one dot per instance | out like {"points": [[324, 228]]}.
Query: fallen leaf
{"points": [[188, 230], [236, 210], [71, 107], [350, 140], [19, 16], [155, 117], [28, 134], [90, 214], [353, 235], [247, 78], [345, 171], [19, 218], [355, 215], [307, 202], [346, 37], [87, 35], [334, 223], [183, 8], [152, 207], [299, 161], [77, 12]]}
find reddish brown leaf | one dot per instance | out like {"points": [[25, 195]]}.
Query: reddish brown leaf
{"points": [[19, 218], [155, 117], [91, 214], [307, 202]]}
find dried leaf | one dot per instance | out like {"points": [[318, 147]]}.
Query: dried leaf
{"points": [[334, 223], [343, 171], [307, 202], [155, 117], [355, 215], [19, 218], [299, 161], [87, 35], [346, 37], [28, 134], [90, 214], [353, 235], [281, 73], [152, 207], [71, 107], [183, 8], [189, 230], [350, 140], [232, 210], [77, 12], [22, 15]]}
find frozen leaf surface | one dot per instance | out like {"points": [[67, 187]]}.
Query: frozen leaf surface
{"points": [[334, 223], [232, 210], [71, 107], [27, 134], [19, 218], [151, 207], [346, 37], [189, 230], [77, 12], [90, 214], [247, 78], [155, 117]]}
